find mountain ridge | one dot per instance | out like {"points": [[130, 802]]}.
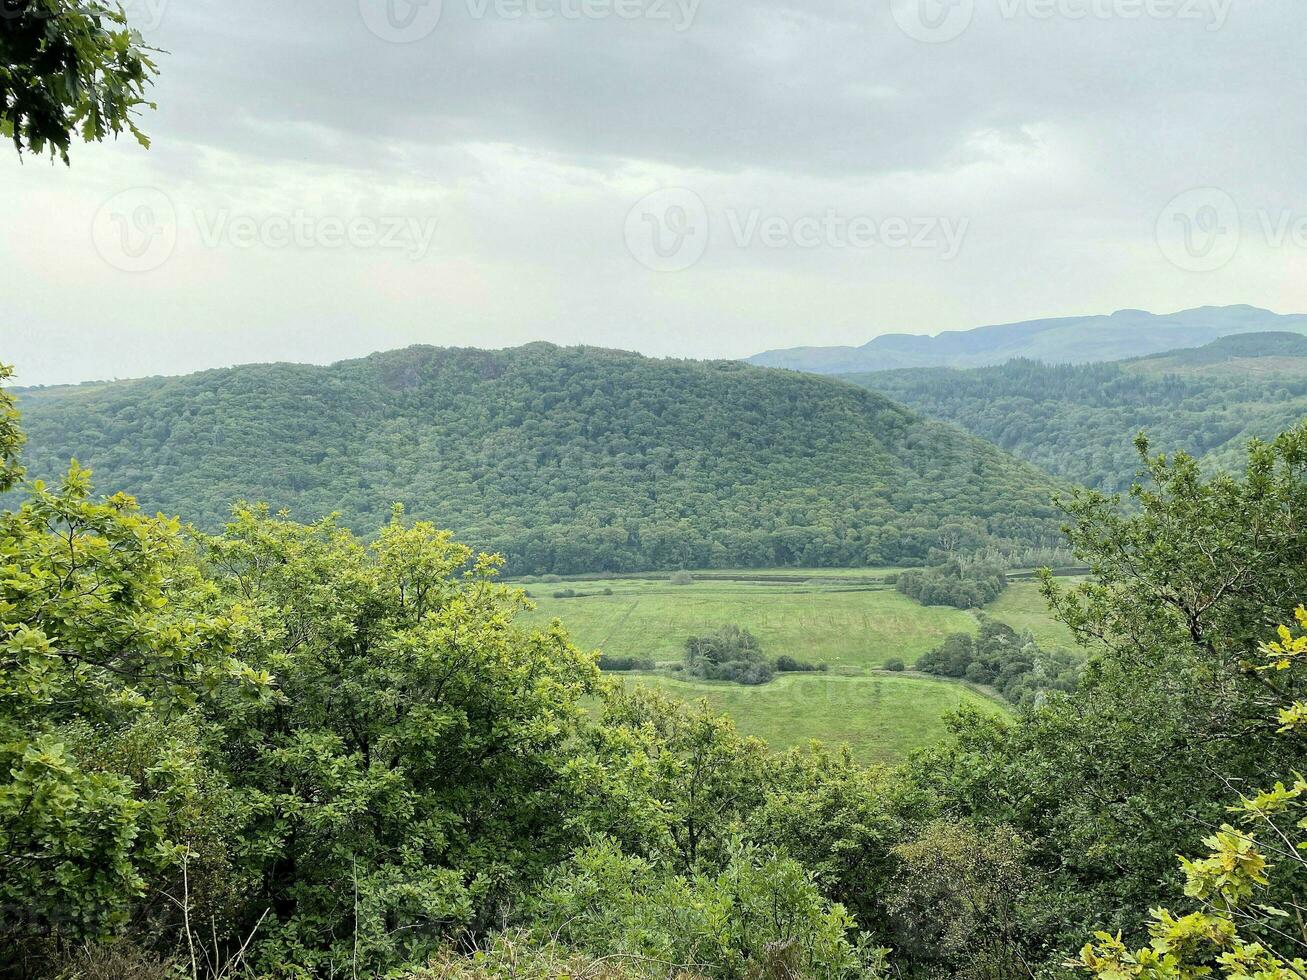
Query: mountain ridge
{"points": [[563, 459], [1060, 340], [1078, 421]]}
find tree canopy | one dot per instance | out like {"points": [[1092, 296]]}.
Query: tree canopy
{"points": [[70, 69], [562, 460]]}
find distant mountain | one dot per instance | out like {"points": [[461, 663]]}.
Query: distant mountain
{"points": [[1066, 340], [1078, 421], [565, 460]]}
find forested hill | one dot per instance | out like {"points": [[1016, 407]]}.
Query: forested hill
{"points": [[564, 460], [1064, 340], [1078, 421]]}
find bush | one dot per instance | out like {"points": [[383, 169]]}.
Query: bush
{"points": [[551, 579], [565, 594], [730, 654], [896, 665], [788, 665], [681, 578], [1009, 661], [954, 584], [623, 664]]}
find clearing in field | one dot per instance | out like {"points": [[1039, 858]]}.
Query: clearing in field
{"points": [[849, 619], [822, 619], [882, 717]]}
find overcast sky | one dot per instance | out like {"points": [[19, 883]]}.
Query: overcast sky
{"points": [[707, 178]]}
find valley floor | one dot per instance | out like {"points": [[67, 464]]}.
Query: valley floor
{"points": [[850, 619]]}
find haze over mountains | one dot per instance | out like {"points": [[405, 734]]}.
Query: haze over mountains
{"points": [[1078, 421], [1063, 340], [563, 459]]}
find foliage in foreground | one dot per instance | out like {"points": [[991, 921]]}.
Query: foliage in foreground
{"points": [[1249, 887], [69, 69], [319, 756]]}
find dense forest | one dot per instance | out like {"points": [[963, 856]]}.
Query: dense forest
{"points": [[1078, 421], [562, 460], [282, 752]]}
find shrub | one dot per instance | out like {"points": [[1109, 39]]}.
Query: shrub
{"points": [[551, 579], [1012, 662], [730, 654], [565, 594], [788, 665], [954, 584], [622, 664], [895, 664], [681, 578]]}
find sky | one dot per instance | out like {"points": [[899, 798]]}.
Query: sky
{"points": [[699, 178]]}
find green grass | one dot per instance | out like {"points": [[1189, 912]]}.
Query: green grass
{"points": [[1023, 608], [881, 717], [846, 626], [846, 618]]}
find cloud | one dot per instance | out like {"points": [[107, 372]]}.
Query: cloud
{"points": [[526, 131]]}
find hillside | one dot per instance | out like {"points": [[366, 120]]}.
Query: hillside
{"points": [[1078, 421], [1065, 340], [565, 460]]}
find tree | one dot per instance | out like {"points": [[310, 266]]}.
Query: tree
{"points": [[417, 747], [1251, 888], [70, 68], [104, 628]]}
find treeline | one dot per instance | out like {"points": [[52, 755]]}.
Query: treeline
{"points": [[1077, 421], [1000, 657], [283, 752], [964, 585], [565, 461]]}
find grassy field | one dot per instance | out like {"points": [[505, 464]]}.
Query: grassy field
{"points": [[881, 717], [1023, 608], [847, 618], [852, 626]]}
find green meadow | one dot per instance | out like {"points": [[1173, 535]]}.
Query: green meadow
{"points": [[849, 619], [821, 619], [881, 717]]}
